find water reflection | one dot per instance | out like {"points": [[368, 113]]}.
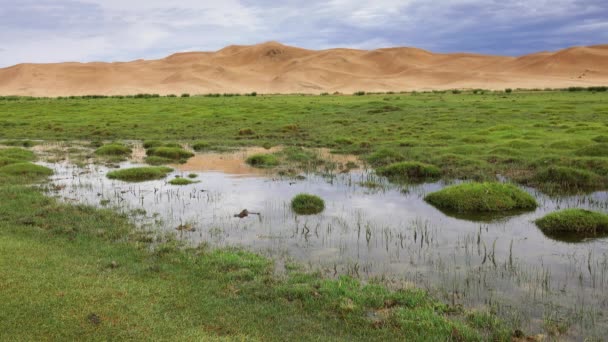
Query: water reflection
{"points": [[506, 262]]}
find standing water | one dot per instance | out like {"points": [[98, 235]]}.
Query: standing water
{"points": [[381, 231]]}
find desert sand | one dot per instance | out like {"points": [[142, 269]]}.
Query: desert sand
{"points": [[276, 68]]}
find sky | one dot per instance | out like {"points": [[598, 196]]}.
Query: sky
{"points": [[42, 31]]}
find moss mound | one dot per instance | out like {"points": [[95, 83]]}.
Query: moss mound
{"points": [[27, 170], [23, 143], [596, 150], [169, 152], [7, 161], [306, 204], [153, 143], [181, 181], [113, 149], [574, 221], [410, 171], [481, 197], [154, 160], [384, 157], [601, 139], [18, 154], [140, 174], [566, 178], [263, 160], [201, 146]]}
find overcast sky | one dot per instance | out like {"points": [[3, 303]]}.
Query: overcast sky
{"points": [[119, 30]]}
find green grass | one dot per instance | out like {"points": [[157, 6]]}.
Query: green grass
{"points": [[21, 143], [200, 146], [574, 221], [140, 174], [482, 197], [173, 153], [155, 160], [306, 204], [17, 154], [181, 181], [113, 149], [263, 160], [468, 136], [565, 179], [410, 171], [80, 273]]}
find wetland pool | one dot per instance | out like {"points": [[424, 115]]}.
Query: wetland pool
{"points": [[386, 232]]}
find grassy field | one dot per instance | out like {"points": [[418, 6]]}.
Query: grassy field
{"points": [[557, 141], [74, 272]]}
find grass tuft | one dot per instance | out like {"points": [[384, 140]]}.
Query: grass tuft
{"points": [[17, 153], [27, 171], [596, 150], [482, 197], [263, 160], [574, 221], [140, 174], [306, 204], [181, 181], [565, 178], [113, 149], [176, 154], [415, 171], [384, 157]]}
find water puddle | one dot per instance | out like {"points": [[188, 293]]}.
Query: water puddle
{"points": [[383, 232]]}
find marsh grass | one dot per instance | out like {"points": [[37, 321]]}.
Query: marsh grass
{"points": [[114, 150], [306, 204], [557, 179], [155, 160], [410, 171], [21, 143], [140, 174], [384, 157], [597, 150], [128, 284], [263, 160], [579, 221], [170, 152], [482, 197], [181, 181], [469, 136], [17, 154]]}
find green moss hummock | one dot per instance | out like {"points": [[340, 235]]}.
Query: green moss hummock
{"points": [[18, 154], [173, 153], [410, 171], [482, 197], [140, 174], [306, 204], [26, 170], [566, 178], [181, 181], [574, 221], [384, 157], [113, 149], [263, 160]]}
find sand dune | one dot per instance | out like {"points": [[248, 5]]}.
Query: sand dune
{"points": [[275, 68]]}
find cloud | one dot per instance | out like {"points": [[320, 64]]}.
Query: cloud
{"points": [[109, 30]]}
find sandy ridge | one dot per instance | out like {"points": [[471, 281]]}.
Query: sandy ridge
{"points": [[275, 68]]}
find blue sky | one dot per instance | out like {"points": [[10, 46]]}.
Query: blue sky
{"points": [[120, 30]]}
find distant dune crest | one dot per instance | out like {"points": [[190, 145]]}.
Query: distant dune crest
{"points": [[276, 68]]}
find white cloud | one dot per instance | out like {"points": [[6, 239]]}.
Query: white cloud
{"points": [[59, 30]]}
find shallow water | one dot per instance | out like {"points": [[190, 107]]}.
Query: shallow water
{"points": [[506, 263]]}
